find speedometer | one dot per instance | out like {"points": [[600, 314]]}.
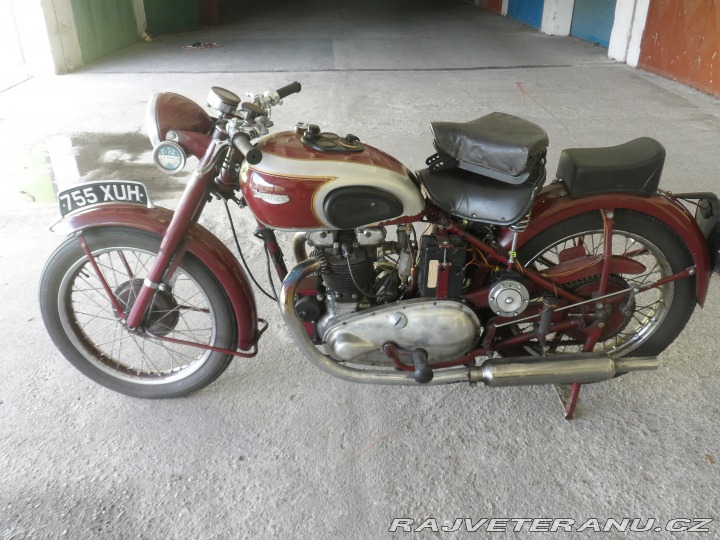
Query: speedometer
{"points": [[169, 157]]}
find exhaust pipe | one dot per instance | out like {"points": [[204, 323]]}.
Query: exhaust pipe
{"points": [[496, 372], [298, 247]]}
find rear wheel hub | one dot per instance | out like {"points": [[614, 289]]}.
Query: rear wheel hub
{"points": [[616, 312]]}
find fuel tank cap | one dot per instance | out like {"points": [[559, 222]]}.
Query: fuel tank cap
{"points": [[330, 142]]}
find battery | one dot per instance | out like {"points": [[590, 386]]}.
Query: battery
{"points": [[442, 270]]}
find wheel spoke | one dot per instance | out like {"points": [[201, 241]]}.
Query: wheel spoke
{"points": [[189, 318], [648, 309]]}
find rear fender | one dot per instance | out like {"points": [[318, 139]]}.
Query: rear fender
{"points": [[200, 242], [554, 205]]}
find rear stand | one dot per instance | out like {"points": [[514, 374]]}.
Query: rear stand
{"points": [[568, 396]]}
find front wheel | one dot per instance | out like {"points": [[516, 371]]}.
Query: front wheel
{"points": [[88, 331], [654, 318]]}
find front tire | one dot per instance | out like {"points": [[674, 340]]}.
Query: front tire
{"points": [[87, 330]]}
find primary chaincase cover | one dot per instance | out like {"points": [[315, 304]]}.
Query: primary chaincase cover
{"points": [[446, 329], [297, 187]]}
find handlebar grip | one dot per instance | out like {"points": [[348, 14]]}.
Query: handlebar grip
{"points": [[292, 88], [252, 154]]}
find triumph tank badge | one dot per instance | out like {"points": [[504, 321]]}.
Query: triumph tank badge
{"points": [[272, 198]]}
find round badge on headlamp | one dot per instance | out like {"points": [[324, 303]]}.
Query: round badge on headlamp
{"points": [[169, 157]]}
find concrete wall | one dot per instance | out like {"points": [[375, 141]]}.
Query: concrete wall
{"points": [[637, 32], [557, 17], [139, 6], [62, 33], [627, 32]]}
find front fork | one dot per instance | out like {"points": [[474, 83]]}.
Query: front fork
{"points": [[191, 205]]}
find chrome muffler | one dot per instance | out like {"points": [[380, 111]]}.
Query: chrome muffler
{"points": [[496, 372], [562, 369]]}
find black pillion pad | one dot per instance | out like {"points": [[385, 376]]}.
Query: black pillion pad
{"points": [[633, 167]]}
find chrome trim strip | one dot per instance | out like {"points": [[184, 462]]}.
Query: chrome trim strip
{"points": [[150, 285]]}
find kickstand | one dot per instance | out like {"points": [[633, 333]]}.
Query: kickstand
{"points": [[568, 398]]}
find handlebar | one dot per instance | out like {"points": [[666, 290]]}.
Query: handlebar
{"points": [[242, 142], [292, 88]]}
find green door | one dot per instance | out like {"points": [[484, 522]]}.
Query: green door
{"points": [[170, 16], [104, 26]]}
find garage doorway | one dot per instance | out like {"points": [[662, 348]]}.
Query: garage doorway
{"points": [[528, 12], [593, 20]]}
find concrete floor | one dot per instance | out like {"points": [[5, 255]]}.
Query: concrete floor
{"points": [[275, 448]]}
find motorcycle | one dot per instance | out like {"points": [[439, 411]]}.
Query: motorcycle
{"points": [[469, 270]]}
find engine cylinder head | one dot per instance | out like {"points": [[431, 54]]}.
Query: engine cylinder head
{"points": [[336, 273]]}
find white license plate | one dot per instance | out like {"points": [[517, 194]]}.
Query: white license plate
{"points": [[106, 191]]}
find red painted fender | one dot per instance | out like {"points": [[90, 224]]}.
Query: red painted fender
{"points": [[200, 242], [554, 205]]}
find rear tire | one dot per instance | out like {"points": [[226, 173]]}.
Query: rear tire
{"points": [[86, 329], [660, 314]]}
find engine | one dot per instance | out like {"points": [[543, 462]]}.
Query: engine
{"points": [[353, 273], [372, 291]]}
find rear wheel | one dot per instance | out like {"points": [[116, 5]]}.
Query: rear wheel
{"points": [[642, 326], [88, 331]]}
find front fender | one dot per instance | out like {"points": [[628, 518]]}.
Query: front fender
{"points": [[200, 242], [554, 205]]}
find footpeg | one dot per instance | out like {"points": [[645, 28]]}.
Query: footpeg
{"points": [[423, 373]]}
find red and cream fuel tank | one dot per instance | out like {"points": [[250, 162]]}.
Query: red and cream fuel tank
{"points": [[311, 180]]}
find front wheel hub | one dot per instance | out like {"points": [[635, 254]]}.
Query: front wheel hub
{"points": [[163, 314]]}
